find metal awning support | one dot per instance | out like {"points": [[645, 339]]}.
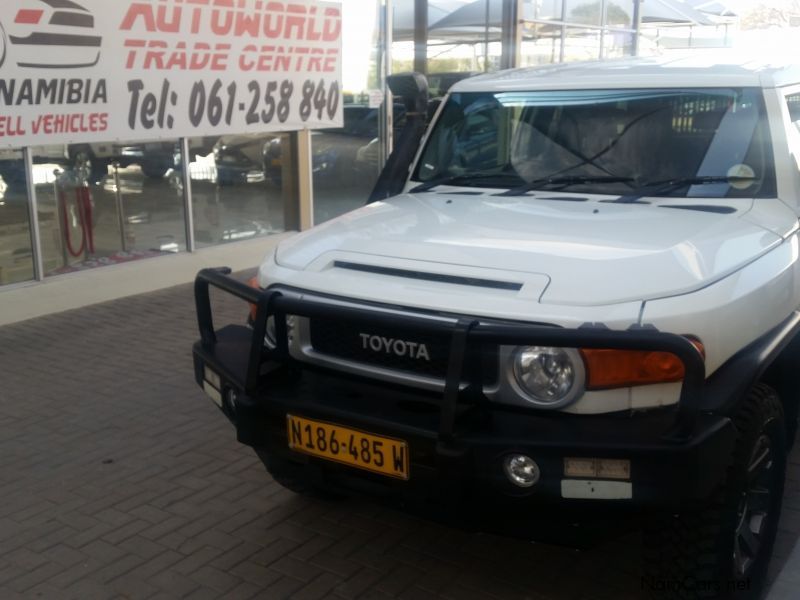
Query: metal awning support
{"points": [[511, 34], [421, 36]]}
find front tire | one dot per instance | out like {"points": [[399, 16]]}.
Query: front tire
{"points": [[723, 549]]}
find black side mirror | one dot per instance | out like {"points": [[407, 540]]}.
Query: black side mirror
{"points": [[412, 90]]}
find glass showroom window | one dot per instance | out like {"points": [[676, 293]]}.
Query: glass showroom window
{"points": [[107, 203], [16, 254], [581, 43], [557, 31], [346, 161], [240, 185], [619, 35], [584, 12]]}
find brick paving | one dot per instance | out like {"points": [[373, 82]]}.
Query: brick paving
{"points": [[119, 479]]}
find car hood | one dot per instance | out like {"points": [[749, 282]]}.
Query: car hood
{"points": [[584, 251]]}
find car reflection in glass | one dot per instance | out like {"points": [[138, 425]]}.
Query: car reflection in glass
{"points": [[241, 159]]}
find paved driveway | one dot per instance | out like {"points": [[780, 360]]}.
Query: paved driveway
{"points": [[119, 479]]}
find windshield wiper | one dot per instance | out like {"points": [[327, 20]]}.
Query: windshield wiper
{"points": [[564, 180], [462, 179], [657, 188]]}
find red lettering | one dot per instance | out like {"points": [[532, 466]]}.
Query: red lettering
{"points": [[219, 61], [160, 56], [265, 61], [11, 127], [331, 62], [139, 10], [200, 57], [273, 23], [164, 19], [247, 24], [154, 59], [129, 64], [266, 19], [196, 14], [177, 59], [166, 25], [220, 26], [333, 25], [283, 62], [294, 25], [245, 64], [315, 62], [69, 123], [311, 33]]}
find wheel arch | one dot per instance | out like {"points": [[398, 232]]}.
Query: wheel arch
{"points": [[772, 359], [783, 376]]}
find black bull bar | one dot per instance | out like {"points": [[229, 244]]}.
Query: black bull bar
{"points": [[467, 335]]}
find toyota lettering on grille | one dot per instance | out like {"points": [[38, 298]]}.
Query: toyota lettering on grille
{"points": [[402, 348]]}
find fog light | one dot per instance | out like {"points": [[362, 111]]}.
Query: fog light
{"points": [[601, 468], [521, 470]]}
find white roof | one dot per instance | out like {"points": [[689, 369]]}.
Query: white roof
{"points": [[699, 69]]}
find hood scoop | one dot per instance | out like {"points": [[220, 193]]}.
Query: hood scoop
{"points": [[461, 193], [563, 198], [710, 208], [426, 276]]}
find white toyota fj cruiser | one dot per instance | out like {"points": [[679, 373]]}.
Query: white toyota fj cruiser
{"points": [[577, 304]]}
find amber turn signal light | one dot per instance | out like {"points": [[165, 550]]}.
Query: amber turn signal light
{"points": [[607, 368]]}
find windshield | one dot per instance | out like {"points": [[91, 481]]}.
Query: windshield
{"points": [[605, 141]]}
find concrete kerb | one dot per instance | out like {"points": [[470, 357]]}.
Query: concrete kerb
{"points": [[84, 288]]}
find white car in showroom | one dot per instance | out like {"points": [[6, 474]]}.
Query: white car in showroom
{"points": [[575, 310]]}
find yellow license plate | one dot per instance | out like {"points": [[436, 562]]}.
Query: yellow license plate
{"points": [[352, 447]]}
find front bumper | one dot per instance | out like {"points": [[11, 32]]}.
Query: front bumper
{"points": [[457, 442]]}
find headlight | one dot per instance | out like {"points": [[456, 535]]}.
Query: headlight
{"points": [[548, 377], [270, 336]]}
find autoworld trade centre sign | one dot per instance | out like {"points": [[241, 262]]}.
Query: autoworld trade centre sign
{"points": [[100, 70]]}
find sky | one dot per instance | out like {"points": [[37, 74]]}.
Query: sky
{"points": [[358, 33]]}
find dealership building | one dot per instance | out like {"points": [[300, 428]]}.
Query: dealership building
{"points": [[215, 144]]}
